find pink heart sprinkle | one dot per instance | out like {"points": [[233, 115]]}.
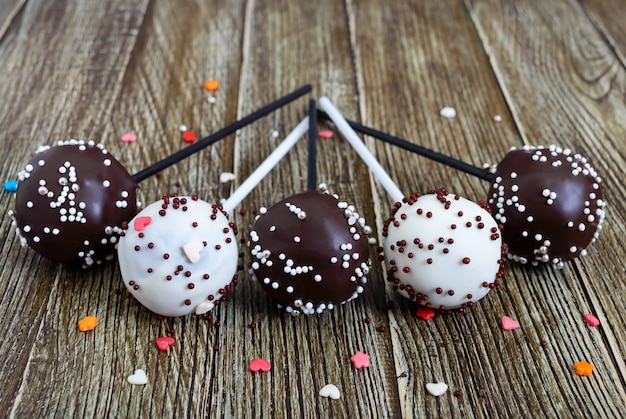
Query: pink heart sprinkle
{"points": [[325, 133], [129, 137], [141, 222], [591, 320], [164, 342], [260, 364], [509, 324]]}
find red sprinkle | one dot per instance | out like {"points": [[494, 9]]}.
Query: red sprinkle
{"points": [[164, 342], [425, 313], [189, 136]]}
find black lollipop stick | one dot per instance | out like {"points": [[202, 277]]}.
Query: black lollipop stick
{"points": [[312, 147], [213, 138], [414, 148]]}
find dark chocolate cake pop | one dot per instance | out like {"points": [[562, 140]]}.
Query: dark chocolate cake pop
{"points": [[71, 201], [549, 202], [310, 252]]}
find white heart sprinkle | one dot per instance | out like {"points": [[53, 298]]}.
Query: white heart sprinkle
{"points": [[204, 307], [330, 390], [138, 378], [192, 251], [447, 112], [437, 389]]}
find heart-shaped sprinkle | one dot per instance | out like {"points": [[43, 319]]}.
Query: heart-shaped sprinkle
{"points": [[192, 250], [189, 136], [226, 177], [360, 360], [129, 137], [164, 342], [87, 323], [325, 133], [141, 222], [330, 390], [591, 320], [260, 364], [139, 378], [204, 307], [425, 313], [436, 389], [509, 324]]}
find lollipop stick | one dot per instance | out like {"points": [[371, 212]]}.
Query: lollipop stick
{"points": [[418, 149], [224, 132], [264, 168], [312, 161], [361, 149]]}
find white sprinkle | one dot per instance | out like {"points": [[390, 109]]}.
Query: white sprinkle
{"points": [[226, 177], [296, 239], [182, 128], [447, 112], [581, 227], [317, 278], [211, 99], [275, 134], [290, 289], [275, 285], [497, 118]]}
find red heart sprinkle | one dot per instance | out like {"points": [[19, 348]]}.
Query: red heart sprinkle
{"points": [[189, 136], [425, 313], [260, 364], [141, 222], [164, 342]]}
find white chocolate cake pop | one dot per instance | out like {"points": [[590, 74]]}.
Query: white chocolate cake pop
{"points": [[442, 251], [179, 256]]}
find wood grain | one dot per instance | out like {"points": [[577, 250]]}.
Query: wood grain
{"points": [[552, 71]]}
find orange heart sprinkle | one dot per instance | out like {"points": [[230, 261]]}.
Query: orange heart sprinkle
{"points": [[211, 85], [87, 323]]}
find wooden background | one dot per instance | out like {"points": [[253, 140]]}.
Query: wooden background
{"points": [[554, 70]]}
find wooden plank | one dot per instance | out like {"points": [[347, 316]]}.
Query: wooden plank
{"points": [[48, 97], [437, 61], [309, 351], [180, 45], [8, 13]]}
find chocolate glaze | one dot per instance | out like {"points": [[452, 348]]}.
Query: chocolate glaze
{"points": [[310, 252], [549, 202], [71, 201]]}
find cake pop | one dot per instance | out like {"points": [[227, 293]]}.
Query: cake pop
{"points": [[179, 255], [548, 200], [310, 251], [73, 197], [441, 250]]}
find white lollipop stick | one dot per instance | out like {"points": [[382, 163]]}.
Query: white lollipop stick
{"points": [[354, 140], [264, 168]]}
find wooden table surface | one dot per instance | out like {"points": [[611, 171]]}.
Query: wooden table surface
{"points": [[553, 71]]}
